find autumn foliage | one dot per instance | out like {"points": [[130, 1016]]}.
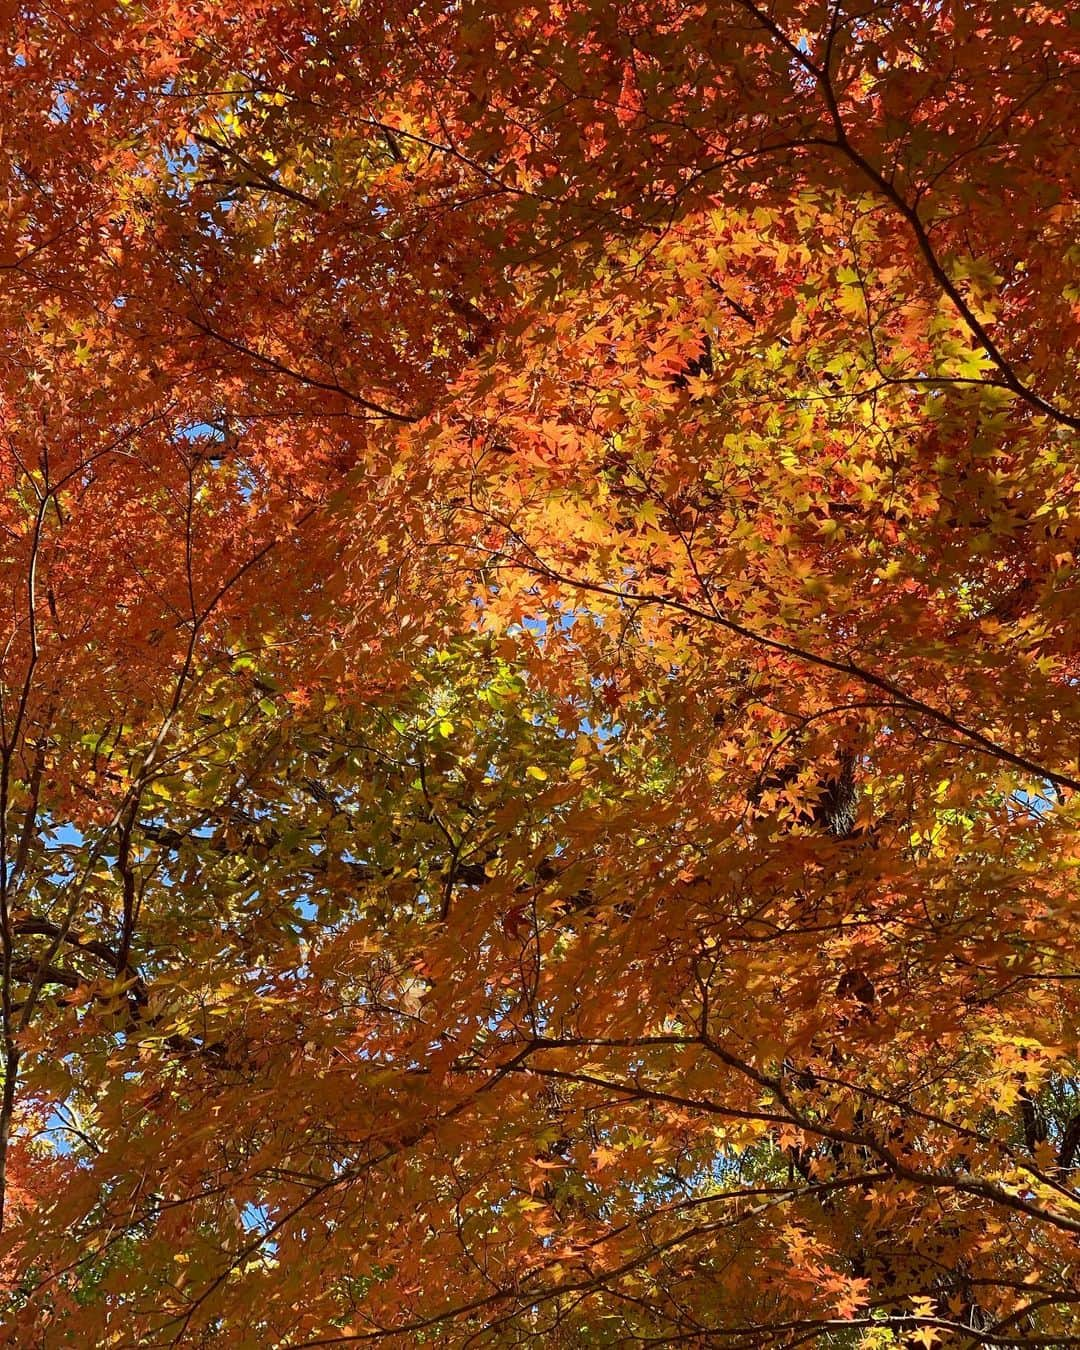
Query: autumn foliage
{"points": [[539, 674]]}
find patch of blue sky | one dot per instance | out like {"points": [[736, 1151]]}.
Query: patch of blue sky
{"points": [[199, 431], [64, 1134], [256, 1218]]}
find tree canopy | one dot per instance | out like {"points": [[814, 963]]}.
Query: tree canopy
{"points": [[539, 674]]}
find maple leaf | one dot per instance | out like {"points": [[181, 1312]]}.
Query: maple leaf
{"points": [[536, 797]]}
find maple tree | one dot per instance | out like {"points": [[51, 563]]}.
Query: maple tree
{"points": [[539, 680]]}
